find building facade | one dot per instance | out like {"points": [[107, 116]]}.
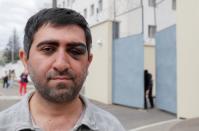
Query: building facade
{"points": [[187, 65], [155, 21]]}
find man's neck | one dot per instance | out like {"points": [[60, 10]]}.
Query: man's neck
{"points": [[48, 114]]}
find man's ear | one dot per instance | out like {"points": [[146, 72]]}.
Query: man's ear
{"points": [[23, 58], [90, 58]]}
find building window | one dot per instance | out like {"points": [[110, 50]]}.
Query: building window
{"points": [[68, 3], [100, 6], [85, 13], [152, 3], [92, 10], [73, 1], [174, 4], [151, 31], [116, 29]]}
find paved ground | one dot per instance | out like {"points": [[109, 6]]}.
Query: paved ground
{"points": [[132, 119]]}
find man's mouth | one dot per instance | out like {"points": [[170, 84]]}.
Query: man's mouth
{"points": [[69, 75], [61, 78]]}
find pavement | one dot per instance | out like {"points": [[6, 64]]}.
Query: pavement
{"points": [[132, 119]]}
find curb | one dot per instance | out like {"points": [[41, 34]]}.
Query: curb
{"points": [[154, 124], [10, 97]]}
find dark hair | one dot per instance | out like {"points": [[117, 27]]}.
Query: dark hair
{"points": [[57, 17]]}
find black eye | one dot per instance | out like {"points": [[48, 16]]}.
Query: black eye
{"points": [[78, 51]]}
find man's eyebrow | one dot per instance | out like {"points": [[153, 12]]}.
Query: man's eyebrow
{"points": [[48, 42], [56, 43]]}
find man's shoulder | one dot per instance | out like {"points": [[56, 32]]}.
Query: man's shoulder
{"points": [[19, 109], [10, 116], [10, 112], [15, 117], [105, 120], [99, 112]]}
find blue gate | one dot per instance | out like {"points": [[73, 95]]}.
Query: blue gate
{"points": [[166, 69], [128, 76]]}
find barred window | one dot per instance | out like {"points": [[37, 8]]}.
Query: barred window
{"points": [[151, 31], [100, 5], [92, 10], [85, 13], [152, 3], [174, 4]]}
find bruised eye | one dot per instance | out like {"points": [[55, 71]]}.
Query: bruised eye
{"points": [[77, 51]]}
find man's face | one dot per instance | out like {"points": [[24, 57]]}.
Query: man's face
{"points": [[58, 62]]}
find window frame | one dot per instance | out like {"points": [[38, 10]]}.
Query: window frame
{"points": [[152, 29], [152, 3]]}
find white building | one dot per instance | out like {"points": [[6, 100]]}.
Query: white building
{"points": [[134, 16], [187, 62], [145, 17]]}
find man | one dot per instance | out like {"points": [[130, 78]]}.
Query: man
{"points": [[57, 55], [148, 85], [5, 80]]}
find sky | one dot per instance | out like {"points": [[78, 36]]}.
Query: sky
{"points": [[14, 15]]}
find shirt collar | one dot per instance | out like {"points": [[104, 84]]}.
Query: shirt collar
{"points": [[89, 119]]}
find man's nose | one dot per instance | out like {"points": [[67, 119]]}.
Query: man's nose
{"points": [[61, 62]]}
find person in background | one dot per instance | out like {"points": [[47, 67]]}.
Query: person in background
{"points": [[148, 86], [23, 83], [11, 77], [57, 44], [5, 80]]}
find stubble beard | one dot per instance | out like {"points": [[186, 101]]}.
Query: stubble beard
{"points": [[61, 93]]}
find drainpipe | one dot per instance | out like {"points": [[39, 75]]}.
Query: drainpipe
{"points": [[54, 3], [142, 7]]}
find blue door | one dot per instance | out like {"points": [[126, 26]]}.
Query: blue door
{"points": [[166, 69], [128, 68]]}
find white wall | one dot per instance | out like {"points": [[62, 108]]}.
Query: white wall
{"points": [[187, 58], [165, 16], [105, 14], [162, 16], [149, 19], [129, 14], [98, 85], [130, 24], [149, 62]]}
